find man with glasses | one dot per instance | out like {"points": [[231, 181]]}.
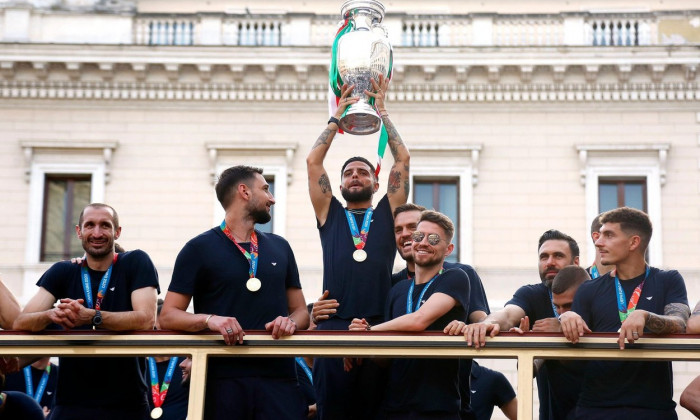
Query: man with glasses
{"points": [[428, 302]]}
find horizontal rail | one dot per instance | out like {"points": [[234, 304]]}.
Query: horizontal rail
{"points": [[524, 348]]}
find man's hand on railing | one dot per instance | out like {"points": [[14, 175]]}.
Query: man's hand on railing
{"points": [[547, 325], [475, 334], [359, 325], [523, 327], [573, 326], [633, 327], [282, 326], [73, 314], [454, 328], [323, 308], [229, 328]]}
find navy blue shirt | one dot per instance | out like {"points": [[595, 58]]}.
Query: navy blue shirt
{"points": [[16, 382], [633, 384], [212, 270], [477, 295], [361, 288], [427, 385], [489, 389], [126, 386], [535, 300]]}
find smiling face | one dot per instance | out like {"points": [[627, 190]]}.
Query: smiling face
{"points": [[426, 254], [97, 231], [358, 182], [261, 200], [554, 255], [405, 224]]}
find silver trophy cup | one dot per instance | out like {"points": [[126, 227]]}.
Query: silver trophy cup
{"points": [[363, 53]]}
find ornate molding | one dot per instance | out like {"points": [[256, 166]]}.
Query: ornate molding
{"points": [[284, 149], [473, 151], [660, 150], [30, 147]]}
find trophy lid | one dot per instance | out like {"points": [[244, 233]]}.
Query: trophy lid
{"points": [[372, 5]]}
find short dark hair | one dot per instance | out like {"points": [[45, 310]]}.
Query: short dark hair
{"points": [[441, 220], [553, 234], [407, 207], [568, 277], [357, 159], [115, 216], [632, 221], [230, 179], [595, 224]]}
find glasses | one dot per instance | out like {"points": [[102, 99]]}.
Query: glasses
{"points": [[433, 238]]}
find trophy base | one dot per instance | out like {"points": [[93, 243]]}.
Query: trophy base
{"points": [[360, 120]]}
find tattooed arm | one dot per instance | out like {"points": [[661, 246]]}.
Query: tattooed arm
{"points": [[694, 321], [319, 183], [673, 320], [398, 184]]}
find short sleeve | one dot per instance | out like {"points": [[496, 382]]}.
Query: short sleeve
{"points": [[292, 280], [142, 271], [675, 288], [455, 283], [188, 267], [53, 280]]}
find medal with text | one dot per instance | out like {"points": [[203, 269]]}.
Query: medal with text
{"points": [[253, 284], [359, 237], [159, 392]]}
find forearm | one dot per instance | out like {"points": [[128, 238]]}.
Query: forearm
{"points": [[300, 318], [409, 322], [35, 321], [500, 318], [665, 324], [9, 307], [179, 320], [127, 321], [320, 148], [477, 316]]}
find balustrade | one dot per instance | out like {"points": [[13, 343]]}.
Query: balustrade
{"points": [[165, 31], [252, 32], [616, 31]]}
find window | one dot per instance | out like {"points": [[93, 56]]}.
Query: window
{"points": [[443, 196], [64, 197], [614, 193]]}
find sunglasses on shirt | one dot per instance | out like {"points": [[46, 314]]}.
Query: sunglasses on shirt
{"points": [[433, 238]]}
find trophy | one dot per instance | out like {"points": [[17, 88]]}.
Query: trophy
{"points": [[363, 52]]}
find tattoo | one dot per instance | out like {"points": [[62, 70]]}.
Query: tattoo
{"points": [[394, 138], [673, 321], [394, 182], [324, 183], [322, 139], [407, 183]]}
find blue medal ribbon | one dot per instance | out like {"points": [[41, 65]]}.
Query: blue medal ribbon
{"points": [[625, 309], [104, 283], [409, 298], [301, 362], [359, 237], [153, 369], [554, 307], [594, 272], [39, 394]]}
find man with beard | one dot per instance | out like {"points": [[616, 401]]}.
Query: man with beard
{"points": [[631, 300], [532, 303], [241, 278], [425, 388], [358, 256], [107, 291]]}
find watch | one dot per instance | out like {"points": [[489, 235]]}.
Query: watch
{"points": [[333, 120], [97, 319]]}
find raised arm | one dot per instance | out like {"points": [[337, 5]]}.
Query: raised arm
{"points": [[38, 313], [9, 307], [398, 184], [319, 184]]}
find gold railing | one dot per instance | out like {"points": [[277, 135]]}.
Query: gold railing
{"points": [[337, 344]]}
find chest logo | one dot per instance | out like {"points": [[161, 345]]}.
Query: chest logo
{"points": [[112, 288], [649, 297], [274, 264]]}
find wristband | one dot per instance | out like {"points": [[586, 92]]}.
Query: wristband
{"points": [[334, 120], [206, 321]]}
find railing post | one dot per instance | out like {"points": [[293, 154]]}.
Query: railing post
{"points": [[525, 375], [198, 381]]}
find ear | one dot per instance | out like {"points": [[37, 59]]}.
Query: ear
{"points": [[78, 232], [449, 249], [243, 191], [117, 233], [635, 241], [576, 261], [376, 186]]}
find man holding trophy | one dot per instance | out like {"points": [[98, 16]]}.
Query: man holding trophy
{"points": [[357, 240]]}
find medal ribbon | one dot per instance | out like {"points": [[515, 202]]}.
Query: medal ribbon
{"points": [[594, 272], [158, 393], [623, 311], [409, 298], [42, 383], [251, 256], [301, 362], [359, 238], [554, 308], [87, 287]]}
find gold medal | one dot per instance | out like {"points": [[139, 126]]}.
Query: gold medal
{"points": [[359, 255], [156, 413], [253, 284]]}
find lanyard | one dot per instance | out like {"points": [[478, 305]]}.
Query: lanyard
{"points": [[38, 395], [87, 286], [594, 272], [623, 311], [359, 237], [157, 393], [409, 298], [251, 256], [554, 308], [301, 362]]}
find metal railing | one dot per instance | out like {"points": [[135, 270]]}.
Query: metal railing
{"points": [[338, 344]]}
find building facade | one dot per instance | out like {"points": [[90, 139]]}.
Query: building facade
{"points": [[520, 117]]}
